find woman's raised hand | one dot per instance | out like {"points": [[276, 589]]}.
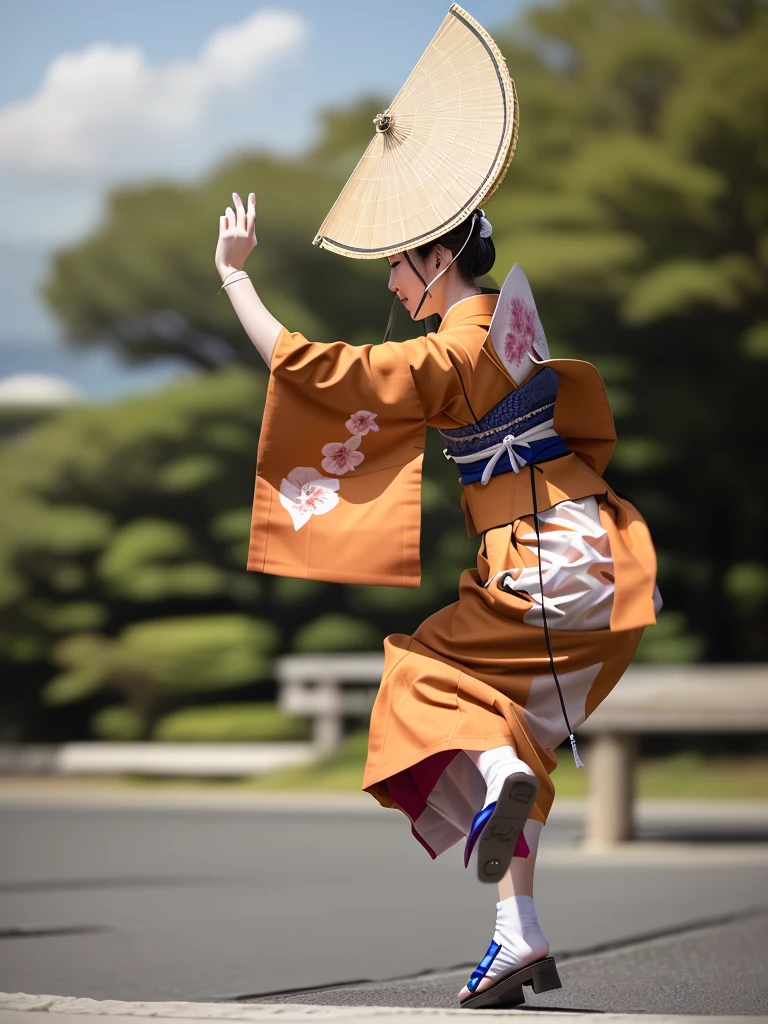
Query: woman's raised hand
{"points": [[237, 235]]}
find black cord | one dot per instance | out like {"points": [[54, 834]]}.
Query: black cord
{"points": [[416, 272], [461, 381], [544, 616], [392, 317]]}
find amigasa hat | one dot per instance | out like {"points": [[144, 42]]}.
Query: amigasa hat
{"points": [[441, 148]]}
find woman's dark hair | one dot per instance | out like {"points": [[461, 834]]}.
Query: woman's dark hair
{"points": [[478, 256]]}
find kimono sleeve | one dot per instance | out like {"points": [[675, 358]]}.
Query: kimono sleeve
{"points": [[338, 475]]}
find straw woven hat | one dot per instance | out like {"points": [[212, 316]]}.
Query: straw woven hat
{"points": [[441, 148]]}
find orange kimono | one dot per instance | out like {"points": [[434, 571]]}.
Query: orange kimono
{"points": [[337, 498]]}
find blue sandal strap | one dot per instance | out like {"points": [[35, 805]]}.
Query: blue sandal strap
{"points": [[482, 968], [479, 822]]}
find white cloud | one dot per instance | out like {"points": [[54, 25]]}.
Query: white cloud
{"points": [[97, 107]]}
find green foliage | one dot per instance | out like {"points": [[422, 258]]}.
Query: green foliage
{"points": [[150, 560], [346, 133], [185, 655], [76, 616], [233, 723], [111, 578], [640, 453], [85, 675], [154, 661], [189, 473], [754, 341], [677, 287], [334, 632], [194, 654], [747, 584], [671, 640], [118, 723]]}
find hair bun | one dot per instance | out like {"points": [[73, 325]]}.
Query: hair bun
{"points": [[478, 255]]}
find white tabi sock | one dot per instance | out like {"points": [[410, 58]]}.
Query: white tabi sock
{"points": [[495, 765], [519, 934], [520, 937]]}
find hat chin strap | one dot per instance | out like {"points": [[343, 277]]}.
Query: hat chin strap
{"points": [[447, 265]]}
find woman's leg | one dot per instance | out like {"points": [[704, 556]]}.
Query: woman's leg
{"points": [[495, 765], [517, 934], [518, 880]]}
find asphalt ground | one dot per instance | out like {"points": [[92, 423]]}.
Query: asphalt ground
{"points": [[717, 969], [200, 901]]}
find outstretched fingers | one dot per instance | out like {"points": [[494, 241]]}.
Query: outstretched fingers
{"points": [[250, 219], [236, 233], [242, 219], [239, 212]]}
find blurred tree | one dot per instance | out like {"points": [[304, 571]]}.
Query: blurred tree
{"points": [[235, 723], [123, 539], [121, 518], [345, 133], [640, 213], [154, 664], [334, 632]]}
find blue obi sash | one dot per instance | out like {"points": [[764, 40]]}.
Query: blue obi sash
{"points": [[518, 431]]}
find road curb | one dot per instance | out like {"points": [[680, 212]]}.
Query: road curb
{"points": [[14, 1004]]}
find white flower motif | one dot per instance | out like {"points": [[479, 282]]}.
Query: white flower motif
{"points": [[305, 493]]}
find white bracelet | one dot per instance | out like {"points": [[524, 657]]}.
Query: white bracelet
{"points": [[236, 275]]}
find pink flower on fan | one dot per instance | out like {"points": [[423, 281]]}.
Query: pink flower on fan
{"points": [[339, 458], [522, 333], [361, 422], [305, 493]]}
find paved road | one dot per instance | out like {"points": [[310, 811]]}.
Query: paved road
{"points": [[718, 969], [160, 902]]}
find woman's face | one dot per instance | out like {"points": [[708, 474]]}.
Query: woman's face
{"points": [[406, 284]]}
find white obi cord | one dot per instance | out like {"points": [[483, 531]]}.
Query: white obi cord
{"points": [[507, 444]]}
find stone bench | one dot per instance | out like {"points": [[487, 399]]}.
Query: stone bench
{"points": [[328, 688], [650, 699]]}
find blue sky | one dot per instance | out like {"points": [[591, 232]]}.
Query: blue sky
{"points": [[94, 94]]}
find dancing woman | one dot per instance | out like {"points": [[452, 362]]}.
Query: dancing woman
{"points": [[472, 705]]}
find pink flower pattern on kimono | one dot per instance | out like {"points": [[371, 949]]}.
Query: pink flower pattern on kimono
{"points": [[339, 458], [361, 422], [305, 493], [522, 334]]}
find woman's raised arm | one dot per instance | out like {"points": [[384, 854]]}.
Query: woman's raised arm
{"points": [[237, 237]]}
